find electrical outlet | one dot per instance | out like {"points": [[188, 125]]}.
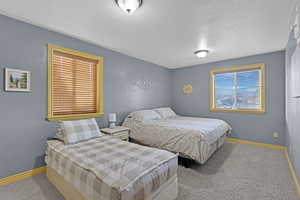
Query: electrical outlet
{"points": [[291, 148], [275, 134]]}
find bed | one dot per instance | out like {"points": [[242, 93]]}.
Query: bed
{"points": [[194, 138], [107, 168]]}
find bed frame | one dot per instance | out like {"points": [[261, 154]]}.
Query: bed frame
{"points": [[168, 190], [186, 161]]}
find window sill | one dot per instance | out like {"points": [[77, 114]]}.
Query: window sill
{"points": [[74, 117], [238, 111]]}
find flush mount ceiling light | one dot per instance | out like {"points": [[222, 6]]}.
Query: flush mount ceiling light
{"points": [[201, 53], [129, 6]]}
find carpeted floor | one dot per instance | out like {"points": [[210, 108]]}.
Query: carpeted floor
{"points": [[235, 172]]}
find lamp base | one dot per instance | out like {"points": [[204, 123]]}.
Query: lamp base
{"points": [[112, 125]]}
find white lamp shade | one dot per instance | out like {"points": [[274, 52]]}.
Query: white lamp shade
{"points": [[112, 117]]}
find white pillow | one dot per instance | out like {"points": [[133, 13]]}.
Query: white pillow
{"points": [[60, 134], [144, 115], [78, 130], [165, 112]]}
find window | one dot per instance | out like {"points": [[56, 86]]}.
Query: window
{"points": [[239, 89], [75, 84]]}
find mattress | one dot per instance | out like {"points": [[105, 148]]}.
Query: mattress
{"points": [[188, 136], [108, 168], [168, 190]]}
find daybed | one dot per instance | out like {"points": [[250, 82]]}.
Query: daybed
{"points": [[107, 168]]}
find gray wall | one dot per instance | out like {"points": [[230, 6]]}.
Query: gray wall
{"points": [[292, 110], [129, 84], [254, 127]]}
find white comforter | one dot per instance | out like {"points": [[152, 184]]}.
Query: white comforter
{"points": [[178, 134]]}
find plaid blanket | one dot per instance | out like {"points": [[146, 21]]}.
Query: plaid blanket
{"points": [[108, 168]]}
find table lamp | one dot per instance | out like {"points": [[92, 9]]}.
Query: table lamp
{"points": [[112, 118]]}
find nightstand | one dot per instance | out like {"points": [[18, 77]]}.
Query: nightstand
{"points": [[120, 132]]}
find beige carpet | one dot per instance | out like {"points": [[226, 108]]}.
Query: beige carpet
{"points": [[235, 172]]}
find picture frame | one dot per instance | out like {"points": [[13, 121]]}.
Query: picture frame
{"points": [[187, 89], [17, 80]]}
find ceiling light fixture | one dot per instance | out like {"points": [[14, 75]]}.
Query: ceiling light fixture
{"points": [[201, 53], [129, 6]]}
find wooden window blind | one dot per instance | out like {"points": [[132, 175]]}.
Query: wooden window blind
{"points": [[75, 84]]}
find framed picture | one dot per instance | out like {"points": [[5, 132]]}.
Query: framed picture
{"points": [[17, 80]]}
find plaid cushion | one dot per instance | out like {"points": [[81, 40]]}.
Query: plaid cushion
{"points": [[79, 130], [59, 134]]}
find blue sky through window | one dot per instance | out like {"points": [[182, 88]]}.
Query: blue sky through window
{"points": [[237, 90]]}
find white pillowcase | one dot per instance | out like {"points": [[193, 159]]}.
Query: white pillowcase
{"points": [[144, 115], [165, 112]]}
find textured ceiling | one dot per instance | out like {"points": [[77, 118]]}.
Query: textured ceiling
{"points": [[166, 32]]}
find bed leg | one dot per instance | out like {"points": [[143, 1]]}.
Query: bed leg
{"points": [[185, 162]]}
